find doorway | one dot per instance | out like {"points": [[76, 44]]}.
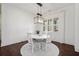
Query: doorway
{"points": [[59, 27]]}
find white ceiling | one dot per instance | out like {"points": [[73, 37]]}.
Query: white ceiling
{"points": [[47, 7]]}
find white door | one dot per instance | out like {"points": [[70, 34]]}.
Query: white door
{"points": [[58, 27]]}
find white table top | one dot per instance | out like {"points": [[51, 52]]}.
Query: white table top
{"points": [[44, 36]]}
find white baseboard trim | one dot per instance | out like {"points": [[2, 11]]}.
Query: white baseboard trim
{"points": [[76, 49]]}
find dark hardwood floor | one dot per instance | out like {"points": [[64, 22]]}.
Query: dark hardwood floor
{"points": [[14, 49], [66, 50]]}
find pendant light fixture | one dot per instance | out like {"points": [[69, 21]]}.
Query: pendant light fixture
{"points": [[39, 17]]}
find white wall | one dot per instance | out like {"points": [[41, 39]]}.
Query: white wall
{"points": [[69, 23], [59, 35], [77, 27], [15, 24], [0, 22], [0, 27]]}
